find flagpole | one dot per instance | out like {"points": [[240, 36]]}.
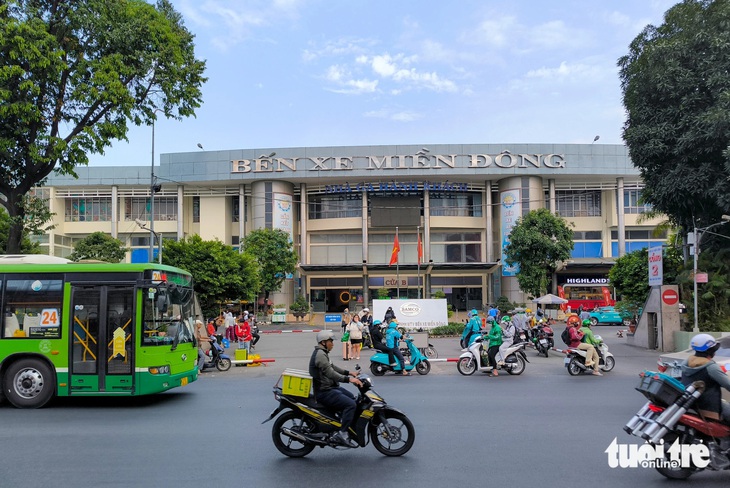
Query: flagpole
{"points": [[418, 257], [397, 268]]}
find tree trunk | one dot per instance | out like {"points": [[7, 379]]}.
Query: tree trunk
{"points": [[16, 213]]}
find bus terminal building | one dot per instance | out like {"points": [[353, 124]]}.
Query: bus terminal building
{"points": [[343, 206]]}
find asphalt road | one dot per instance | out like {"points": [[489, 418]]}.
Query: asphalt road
{"points": [[541, 429]]}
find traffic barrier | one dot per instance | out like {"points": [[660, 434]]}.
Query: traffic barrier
{"points": [[288, 331]]}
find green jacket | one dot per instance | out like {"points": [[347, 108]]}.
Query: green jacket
{"points": [[495, 335], [588, 336]]}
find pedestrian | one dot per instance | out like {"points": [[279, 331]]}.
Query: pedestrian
{"points": [[243, 334], [355, 330], [345, 339], [389, 316]]}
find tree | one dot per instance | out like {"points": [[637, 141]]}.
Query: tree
{"points": [[220, 273], [677, 96], [99, 246], [538, 242], [26, 245], [73, 74], [274, 252], [630, 276]]}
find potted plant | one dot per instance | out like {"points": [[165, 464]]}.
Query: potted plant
{"points": [[300, 307]]}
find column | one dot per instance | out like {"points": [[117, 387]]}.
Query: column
{"points": [[620, 217]]}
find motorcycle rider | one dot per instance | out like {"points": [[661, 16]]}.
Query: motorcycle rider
{"points": [[471, 329], [701, 367], [379, 342], [326, 378], [495, 340], [589, 338], [576, 337], [508, 335], [392, 339]]}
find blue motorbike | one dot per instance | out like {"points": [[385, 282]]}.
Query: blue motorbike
{"points": [[379, 363]]}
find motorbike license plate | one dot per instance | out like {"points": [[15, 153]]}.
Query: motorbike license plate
{"points": [[675, 372], [566, 360], [544, 342]]}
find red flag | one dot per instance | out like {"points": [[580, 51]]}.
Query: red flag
{"points": [[420, 249], [396, 250]]}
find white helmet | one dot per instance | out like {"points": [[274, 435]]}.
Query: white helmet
{"points": [[366, 310], [325, 335], [702, 342]]}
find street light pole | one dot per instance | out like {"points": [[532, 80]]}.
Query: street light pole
{"points": [[152, 197], [696, 252]]}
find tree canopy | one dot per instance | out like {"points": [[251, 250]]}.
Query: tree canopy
{"points": [[539, 241], [26, 245], [676, 91], [220, 273], [275, 254], [99, 246], [73, 74]]}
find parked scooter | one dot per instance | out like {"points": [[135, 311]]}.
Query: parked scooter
{"points": [[668, 420], [575, 359], [475, 359], [217, 357], [306, 424], [379, 363], [542, 338]]}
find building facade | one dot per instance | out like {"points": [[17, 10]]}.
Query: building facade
{"points": [[344, 206]]}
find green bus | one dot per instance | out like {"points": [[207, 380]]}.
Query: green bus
{"points": [[92, 329]]}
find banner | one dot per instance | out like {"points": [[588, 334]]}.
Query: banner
{"points": [[511, 210]]}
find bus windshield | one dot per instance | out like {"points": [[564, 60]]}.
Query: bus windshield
{"points": [[169, 315]]}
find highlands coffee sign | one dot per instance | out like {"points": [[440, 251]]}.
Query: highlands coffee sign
{"points": [[419, 161]]}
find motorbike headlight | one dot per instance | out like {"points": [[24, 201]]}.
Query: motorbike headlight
{"points": [[159, 370]]}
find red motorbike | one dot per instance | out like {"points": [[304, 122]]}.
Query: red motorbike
{"points": [[686, 442]]}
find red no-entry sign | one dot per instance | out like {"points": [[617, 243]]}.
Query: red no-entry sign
{"points": [[670, 297]]}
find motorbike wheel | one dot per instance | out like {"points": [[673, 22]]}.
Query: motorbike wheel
{"points": [[394, 437], [608, 364], [423, 367], [466, 366], [378, 369], [287, 445], [431, 353], [223, 364], [674, 473], [518, 367], [573, 368]]}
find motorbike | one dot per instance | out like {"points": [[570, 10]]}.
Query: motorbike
{"points": [[475, 359], [379, 363], [575, 359], [217, 357], [668, 419], [542, 339], [306, 424], [367, 341]]}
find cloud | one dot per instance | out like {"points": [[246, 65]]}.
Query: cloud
{"points": [[344, 83], [398, 116]]}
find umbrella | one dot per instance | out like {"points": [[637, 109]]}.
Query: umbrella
{"points": [[550, 299]]}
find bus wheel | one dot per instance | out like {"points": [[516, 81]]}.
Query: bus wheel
{"points": [[29, 383]]}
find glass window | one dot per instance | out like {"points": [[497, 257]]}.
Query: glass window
{"points": [[139, 208], [335, 248], [456, 204], [32, 307], [196, 209], [456, 247], [97, 209], [335, 206], [583, 203], [632, 202]]}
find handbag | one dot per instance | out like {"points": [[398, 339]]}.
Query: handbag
{"points": [[345, 337]]}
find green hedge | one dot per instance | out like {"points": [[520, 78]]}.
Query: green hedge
{"points": [[453, 329]]}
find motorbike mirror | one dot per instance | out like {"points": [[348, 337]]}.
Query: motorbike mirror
{"points": [[357, 367]]}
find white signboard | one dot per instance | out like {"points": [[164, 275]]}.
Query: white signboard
{"points": [[414, 314], [656, 271]]}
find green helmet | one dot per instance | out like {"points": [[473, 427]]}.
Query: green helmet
{"points": [[506, 318], [586, 322]]}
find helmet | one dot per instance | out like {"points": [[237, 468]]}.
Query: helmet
{"points": [[528, 310], [506, 318], [473, 313], [377, 322], [573, 320], [702, 342], [366, 309], [325, 335], [586, 322]]}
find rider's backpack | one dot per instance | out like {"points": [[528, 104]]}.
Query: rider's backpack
{"points": [[565, 336]]}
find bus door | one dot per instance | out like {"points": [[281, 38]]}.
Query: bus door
{"points": [[102, 339]]}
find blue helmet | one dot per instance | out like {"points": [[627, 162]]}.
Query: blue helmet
{"points": [[473, 313], [377, 322], [702, 342]]}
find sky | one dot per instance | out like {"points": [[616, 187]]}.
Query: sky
{"points": [[308, 73]]}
